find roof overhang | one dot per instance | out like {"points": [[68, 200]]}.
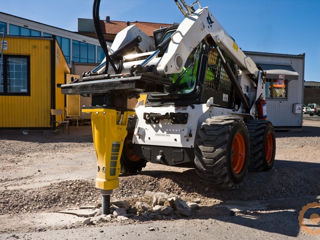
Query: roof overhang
{"points": [[273, 71]]}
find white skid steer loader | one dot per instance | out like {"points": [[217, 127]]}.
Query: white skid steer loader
{"points": [[205, 102]]}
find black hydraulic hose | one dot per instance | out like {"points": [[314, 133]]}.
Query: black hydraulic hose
{"points": [[233, 79], [96, 20]]}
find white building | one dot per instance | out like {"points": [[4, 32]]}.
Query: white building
{"points": [[284, 88]]}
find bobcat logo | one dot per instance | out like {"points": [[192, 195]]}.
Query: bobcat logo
{"points": [[210, 21], [309, 220]]}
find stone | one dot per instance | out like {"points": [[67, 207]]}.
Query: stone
{"points": [[122, 218], [197, 200], [98, 212], [101, 218], [166, 211], [193, 206], [151, 229], [159, 198], [80, 212], [149, 194], [88, 207], [120, 212], [121, 204], [180, 206], [157, 208], [86, 221], [141, 206]]}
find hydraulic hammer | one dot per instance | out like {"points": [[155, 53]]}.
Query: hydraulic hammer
{"points": [[109, 130]]}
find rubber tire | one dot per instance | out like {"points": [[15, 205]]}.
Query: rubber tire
{"points": [[258, 131], [129, 167], [213, 151]]}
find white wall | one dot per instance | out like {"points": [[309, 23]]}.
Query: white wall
{"points": [[280, 111]]}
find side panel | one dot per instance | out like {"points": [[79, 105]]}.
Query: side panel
{"points": [[33, 110], [72, 101], [173, 135], [62, 69]]}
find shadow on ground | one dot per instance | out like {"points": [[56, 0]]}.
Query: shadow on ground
{"points": [[74, 134], [289, 185], [288, 179], [305, 131]]}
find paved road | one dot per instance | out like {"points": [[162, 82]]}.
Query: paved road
{"points": [[271, 225]]}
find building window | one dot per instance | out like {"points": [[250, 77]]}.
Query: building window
{"points": [[15, 75], [277, 89], [3, 28], [22, 31], [14, 30], [91, 53], [35, 33], [25, 32], [100, 54], [83, 52], [65, 46], [75, 51], [46, 34]]}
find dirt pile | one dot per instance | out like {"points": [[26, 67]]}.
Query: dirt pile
{"points": [[281, 182]]}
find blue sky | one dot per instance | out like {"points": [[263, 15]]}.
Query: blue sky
{"points": [[280, 26]]}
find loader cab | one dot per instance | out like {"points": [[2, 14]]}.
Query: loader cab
{"points": [[203, 76]]}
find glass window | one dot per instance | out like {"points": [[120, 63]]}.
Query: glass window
{"points": [[35, 33], [75, 51], [47, 34], [217, 83], [15, 80], [14, 30], [25, 31], [91, 53], [59, 39], [83, 52], [277, 88], [17, 75], [65, 46], [184, 82], [3, 28], [100, 54]]}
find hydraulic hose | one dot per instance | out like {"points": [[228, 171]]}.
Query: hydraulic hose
{"points": [[96, 20]]}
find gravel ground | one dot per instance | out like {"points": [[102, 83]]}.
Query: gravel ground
{"points": [[46, 172]]}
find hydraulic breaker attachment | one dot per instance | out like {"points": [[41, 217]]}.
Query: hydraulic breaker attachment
{"points": [[109, 130]]}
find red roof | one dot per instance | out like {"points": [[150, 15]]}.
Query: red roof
{"points": [[113, 27]]}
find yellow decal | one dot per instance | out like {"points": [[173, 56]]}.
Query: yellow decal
{"points": [[235, 46]]}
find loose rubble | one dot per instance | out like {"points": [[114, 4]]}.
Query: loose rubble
{"points": [[163, 206]]}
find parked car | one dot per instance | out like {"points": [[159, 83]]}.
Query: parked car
{"points": [[313, 109]]}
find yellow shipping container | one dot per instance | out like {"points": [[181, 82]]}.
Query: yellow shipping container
{"points": [[32, 70]]}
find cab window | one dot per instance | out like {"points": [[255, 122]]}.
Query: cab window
{"points": [[217, 83], [185, 81]]}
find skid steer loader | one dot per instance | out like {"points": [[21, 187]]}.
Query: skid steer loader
{"points": [[205, 102]]}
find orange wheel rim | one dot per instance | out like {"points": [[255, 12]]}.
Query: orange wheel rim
{"points": [[269, 147], [132, 157], [238, 153]]}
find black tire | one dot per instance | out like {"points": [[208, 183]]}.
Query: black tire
{"points": [[214, 151], [258, 133], [131, 160]]}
